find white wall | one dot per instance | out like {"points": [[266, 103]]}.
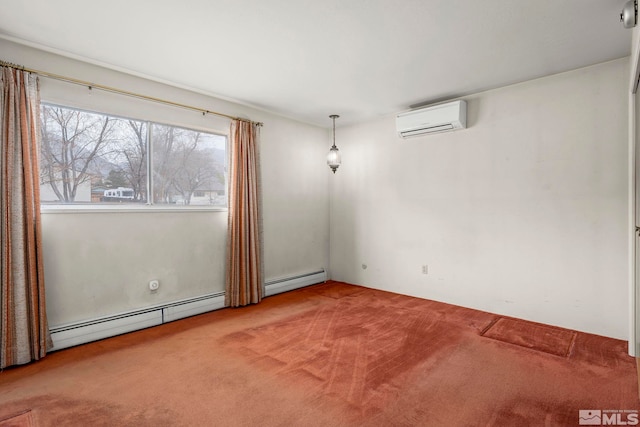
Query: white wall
{"points": [[99, 263], [523, 214]]}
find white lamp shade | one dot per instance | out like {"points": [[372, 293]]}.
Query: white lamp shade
{"points": [[334, 159]]}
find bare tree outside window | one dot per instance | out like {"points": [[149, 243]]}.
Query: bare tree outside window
{"points": [[84, 154], [95, 158], [135, 156], [188, 166], [72, 141]]}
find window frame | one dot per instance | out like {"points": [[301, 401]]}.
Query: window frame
{"points": [[149, 206]]}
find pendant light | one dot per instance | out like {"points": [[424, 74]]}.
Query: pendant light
{"points": [[334, 159]]}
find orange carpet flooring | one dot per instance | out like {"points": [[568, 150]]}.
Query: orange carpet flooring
{"points": [[330, 355]]}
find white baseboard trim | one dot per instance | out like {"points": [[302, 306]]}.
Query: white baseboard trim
{"points": [[77, 333]]}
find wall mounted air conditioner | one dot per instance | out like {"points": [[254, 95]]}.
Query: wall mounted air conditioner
{"points": [[437, 118]]}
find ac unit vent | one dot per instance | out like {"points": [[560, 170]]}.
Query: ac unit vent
{"points": [[433, 119]]}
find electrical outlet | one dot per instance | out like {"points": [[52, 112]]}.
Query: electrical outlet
{"points": [[154, 285], [425, 269]]}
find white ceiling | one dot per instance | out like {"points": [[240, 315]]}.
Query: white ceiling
{"points": [[307, 59]]}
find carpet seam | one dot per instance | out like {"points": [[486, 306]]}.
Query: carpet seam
{"points": [[493, 322], [19, 414], [572, 344]]}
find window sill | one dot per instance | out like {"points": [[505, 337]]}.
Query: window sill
{"points": [[55, 209]]}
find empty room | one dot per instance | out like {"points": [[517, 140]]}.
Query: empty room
{"points": [[302, 213]]}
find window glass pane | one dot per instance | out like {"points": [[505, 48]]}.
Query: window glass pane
{"points": [[188, 167], [91, 158], [94, 158]]}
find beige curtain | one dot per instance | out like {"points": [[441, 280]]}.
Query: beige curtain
{"points": [[24, 334], [244, 275]]}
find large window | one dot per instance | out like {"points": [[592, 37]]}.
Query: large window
{"points": [[94, 158]]}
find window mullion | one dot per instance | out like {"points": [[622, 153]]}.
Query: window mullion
{"points": [[150, 200]]}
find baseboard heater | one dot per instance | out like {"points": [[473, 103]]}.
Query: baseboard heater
{"points": [[276, 286], [77, 333], [103, 327]]}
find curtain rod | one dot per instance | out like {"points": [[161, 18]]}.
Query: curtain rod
{"points": [[121, 91]]}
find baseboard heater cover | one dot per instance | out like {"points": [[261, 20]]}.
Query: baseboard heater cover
{"points": [[72, 336], [77, 333], [193, 307], [277, 286]]}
